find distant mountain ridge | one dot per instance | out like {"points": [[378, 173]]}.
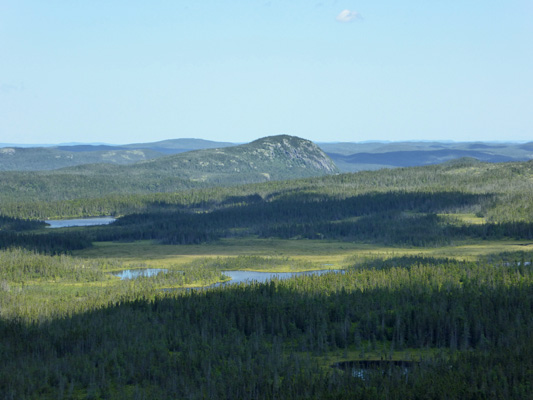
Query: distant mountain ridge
{"points": [[271, 158], [51, 158], [348, 156], [14, 158], [175, 146], [418, 158], [353, 157]]}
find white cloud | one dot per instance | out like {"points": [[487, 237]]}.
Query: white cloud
{"points": [[348, 16]]}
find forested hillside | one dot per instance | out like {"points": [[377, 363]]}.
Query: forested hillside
{"points": [[385, 327], [422, 206], [505, 187], [436, 329]]}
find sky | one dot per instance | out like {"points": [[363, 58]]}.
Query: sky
{"points": [[124, 71]]}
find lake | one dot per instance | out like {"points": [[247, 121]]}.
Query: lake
{"points": [[64, 223]]}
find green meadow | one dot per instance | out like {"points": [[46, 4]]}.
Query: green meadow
{"points": [[292, 255]]}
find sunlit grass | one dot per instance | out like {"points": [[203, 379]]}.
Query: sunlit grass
{"points": [[468, 219], [202, 265], [325, 254]]}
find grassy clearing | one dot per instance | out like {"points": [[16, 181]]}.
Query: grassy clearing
{"points": [[466, 219], [199, 265], [320, 254]]}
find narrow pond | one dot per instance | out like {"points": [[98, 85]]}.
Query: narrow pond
{"points": [[236, 276], [64, 223], [261, 277]]}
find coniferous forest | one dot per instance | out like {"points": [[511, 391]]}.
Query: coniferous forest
{"points": [[430, 294]]}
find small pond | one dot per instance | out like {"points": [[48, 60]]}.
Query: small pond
{"points": [[137, 273], [261, 277], [363, 368], [64, 223]]}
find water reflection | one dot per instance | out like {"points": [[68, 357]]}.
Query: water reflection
{"points": [[64, 223], [236, 277], [137, 273], [261, 277]]}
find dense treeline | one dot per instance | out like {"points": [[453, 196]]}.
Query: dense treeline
{"points": [[48, 243], [393, 218], [397, 229], [395, 207], [506, 191], [268, 340], [398, 218], [18, 224], [115, 205]]}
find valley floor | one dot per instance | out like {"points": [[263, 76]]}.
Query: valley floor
{"points": [[319, 254]]}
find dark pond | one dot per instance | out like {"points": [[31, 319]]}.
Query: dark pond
{"points": [[363, 368], [137, 273], [64, 223]]}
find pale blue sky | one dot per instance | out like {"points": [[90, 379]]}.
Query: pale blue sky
{"points": [[121, 71]]}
